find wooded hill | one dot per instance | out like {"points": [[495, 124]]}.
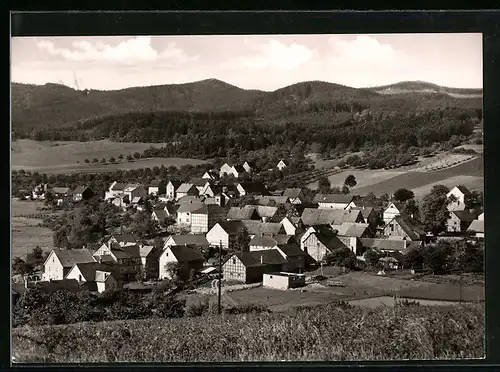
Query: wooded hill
{"points": [[57, 106]]}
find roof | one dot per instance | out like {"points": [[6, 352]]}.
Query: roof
{"points": [[136, 200], [266, 200], [463, 189], [146, 250], [119, 186], [270, 241], [292, 192], [398, 205], [351, 229], [265, 211], [185, 187], [291, 250], [172, 208], [333, 198], [61, 190], [199, 181], [189, 199], [250, 163], [258, 228], [231, 227], [241, 213], [186, 253], [102, 276], [387, 244], [175, 183], [190, 207], [261, 258], [476, 226], [254, 187], [239, 168], [69, 257], [124, 238], [132, 186], [410, 226], [365, 203], [80, 189], [54, 285], [160, 214], [463, 215], [209, 209], [329, 239], [89, 269], [155, 183], [315, 216], [191, 239], [126, 251]]}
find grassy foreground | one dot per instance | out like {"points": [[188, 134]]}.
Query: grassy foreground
{"points": [[326, 332]]}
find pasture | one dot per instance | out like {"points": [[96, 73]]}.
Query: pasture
{"points": [[69, 156], [364, 178]]}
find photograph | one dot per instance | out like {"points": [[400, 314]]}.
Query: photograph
{"points": [[247, 198]]}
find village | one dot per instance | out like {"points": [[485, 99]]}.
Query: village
{"points": [[277, 238]]}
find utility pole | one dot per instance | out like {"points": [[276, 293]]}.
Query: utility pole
{"points": [[219, 297]]}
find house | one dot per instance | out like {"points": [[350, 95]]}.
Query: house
{"points": [[59, 262], [249, 166], [191, 199], [315, 216], [39, 191], [61, 194], [295, 195], [388, 245], [459, 221], [159, 215], [405, 227], [269, 200], [225, 233], [335, 201], [251, 188], [263, 228], [248, 212], [394, 209], [281, 165], [210, 190], [210, 175], [185, 210], [352, 229], [135, 190], [186, 189], [268, 214], [137, 203], [200, 184], [82, 193], [263, 242], [459, 195], [171, 188], [228, 170], [205, 217], [115, 189], [292, 225], [185, 256], [283, 280], [149, 260], [122, 239], [481, 217], [126, 258], [369, 214], [249, 267], [157, 187], [96, 277], [294, 256], [317, 244], [120, 201], [196, 240], [476, 229], [218, 199]]}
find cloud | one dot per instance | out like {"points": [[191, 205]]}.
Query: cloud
{"points": [[272, 54], [131, 51], [366, 52]]}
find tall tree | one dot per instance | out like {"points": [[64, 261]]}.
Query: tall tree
{"points": [[402, 195], [324, 185], [434, 211], [350, 181]]}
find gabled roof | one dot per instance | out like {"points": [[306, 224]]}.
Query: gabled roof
{"points": [[292, 192], [270, 241], [231, 227], [69, 257], [250, 163], [398, 205], [388, 244], [258, 228], [160, 214], [186, 253], [314, 216], [476, 226], [189, 207], [119, 187], [264, 211], [127, 251], [261, 258], [61, 190], [155, 183], [146, 250], [463, 189], [291, 250], [410, 226], [132, 186], [185, 187], [241, 213], [191, 239], [124, 238], [80, 189], [209, 209], [365, 203], [351, 229], [329, 239], [136, 200], [199, 181], [333, 198], [365, 211], [254, 187], [239, 168], [102, 276], [89, 269], [175, 183], [172, 208], [464, 215], [266, 200], [190, 199]]}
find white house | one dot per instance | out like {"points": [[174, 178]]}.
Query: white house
{"points": [[225, 232], [334, 201], [197, 240], [281, 165], [157, 187], [97, 277], [59, 262], [394, 209], [187, 257], [481, 217], [227, 170], [459, 193], [114, 190], [135, 190], [186, 189], [39, 191], [249, 166], [171, 188], [295, 195]]}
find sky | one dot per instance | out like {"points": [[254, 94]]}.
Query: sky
{"points": [[265, 62]]}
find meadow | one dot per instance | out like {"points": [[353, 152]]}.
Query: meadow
{"points": [[329, 332], [69, 156]]}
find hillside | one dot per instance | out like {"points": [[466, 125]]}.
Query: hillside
{"points": [[54, 105], [426, 88]]}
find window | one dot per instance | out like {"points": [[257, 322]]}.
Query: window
{"points": [[234, 261], [270, 276], [392, 227], [79, 278]]}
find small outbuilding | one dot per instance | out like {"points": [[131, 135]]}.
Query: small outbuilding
{"points": [[283, 280]]}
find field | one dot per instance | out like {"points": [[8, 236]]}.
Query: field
{"points": [[26, 234], [62, 156], [364, 178], [330, 332]]}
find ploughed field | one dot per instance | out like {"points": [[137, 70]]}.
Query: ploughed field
{"points": [[69, 156]]}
